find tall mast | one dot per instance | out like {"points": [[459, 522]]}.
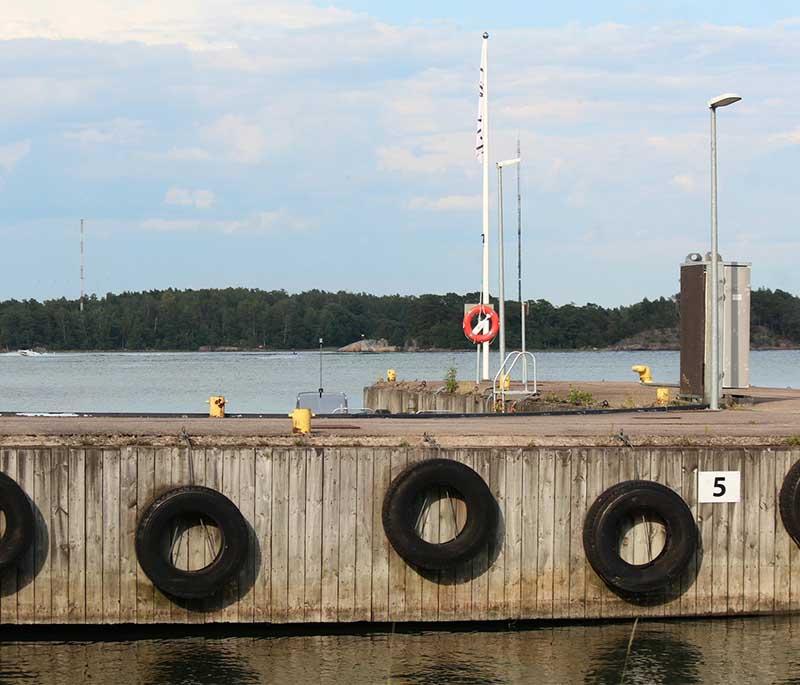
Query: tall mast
{"points": [[82, 269], [485, 129]]}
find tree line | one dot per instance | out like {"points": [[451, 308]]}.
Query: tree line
{"points": [[249, 318]]}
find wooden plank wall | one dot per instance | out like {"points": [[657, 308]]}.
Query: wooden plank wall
{"points": [[318, 552]]}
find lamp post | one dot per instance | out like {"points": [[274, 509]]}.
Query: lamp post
{"points": [[715, 376], [501, 256]]}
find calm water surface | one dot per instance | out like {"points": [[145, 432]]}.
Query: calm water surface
{"points": [[269, 382], [719, 651]]}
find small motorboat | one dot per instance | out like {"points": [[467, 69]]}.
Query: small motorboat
{"points": [[29, 353]]}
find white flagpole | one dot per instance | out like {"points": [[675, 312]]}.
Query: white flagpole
{"points": [[485, 131]]}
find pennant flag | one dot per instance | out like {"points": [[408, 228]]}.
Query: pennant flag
{"points": [[481, 106]]}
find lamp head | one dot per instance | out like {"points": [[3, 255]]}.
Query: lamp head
{"points": [[508, 162], [723, 100]]}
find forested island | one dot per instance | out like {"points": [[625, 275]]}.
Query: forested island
{"points": [[255, 319]]}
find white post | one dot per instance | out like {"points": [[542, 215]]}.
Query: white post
{"points": [[716, 376], [485, 129], [501, 266], [519, 268]]}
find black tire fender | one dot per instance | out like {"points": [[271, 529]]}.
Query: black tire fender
{"points": [[400, 512], [601, 537], [20, 523], [789, 502], [186, 501]]}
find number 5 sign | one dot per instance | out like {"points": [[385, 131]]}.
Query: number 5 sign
{"points": [[719, 486]]}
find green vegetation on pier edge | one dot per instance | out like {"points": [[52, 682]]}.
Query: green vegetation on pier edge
{"points": [[245, 318]]}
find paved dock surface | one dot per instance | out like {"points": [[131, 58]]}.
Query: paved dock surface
{"points": [[772, 418]]}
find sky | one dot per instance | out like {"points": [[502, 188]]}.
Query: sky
{"points": [[301, 145]]}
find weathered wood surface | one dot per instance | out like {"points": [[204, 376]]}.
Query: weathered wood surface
{"points": [[318, 552]]}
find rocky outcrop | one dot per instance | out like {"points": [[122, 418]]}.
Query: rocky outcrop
{"points": [[380, 345]]}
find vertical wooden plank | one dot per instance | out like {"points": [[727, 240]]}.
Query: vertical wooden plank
{"points": [[530, 532], [497, 570], [145, 493], [76, 521], [751, 500], [672, 470], [59, 534], [546, 517], [42, 589], [263, 531], [280, 535], [480, 565], [94, 536], [247, 505], [736, 540], [364, 533], [382, 472], [296, 534], [782, 540], [513, 533], [8, 580], [162, 459], [413, 580], [330, 539], [594, 487], [766, 529], [347, 533], [179, 476], [200, 542], [129, 477], [313, 537], [431, 530], [462, 577], [794, 556], [213, 608], [577, 558], [719, 571], [561, 537], [619, 465], [691, 463], [110, 505], [706, 515], [230, 488], [398, 460]]}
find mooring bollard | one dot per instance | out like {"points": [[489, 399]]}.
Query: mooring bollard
{"points": [[662, 396], [216, 406], [301, 421], [391, 375]]}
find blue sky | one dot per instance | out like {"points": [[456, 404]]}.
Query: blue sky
{"points": [[299, 145]]}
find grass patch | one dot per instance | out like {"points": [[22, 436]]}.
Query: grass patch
{"points": [[580, 398]]}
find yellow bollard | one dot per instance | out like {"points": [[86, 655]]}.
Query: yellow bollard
{"points": [[662, 396], [505, 381], [301, 421], [391, 375], [644, 373], [216, 406]]}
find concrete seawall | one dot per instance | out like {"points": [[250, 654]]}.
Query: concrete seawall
{"points": [[318, 552]]}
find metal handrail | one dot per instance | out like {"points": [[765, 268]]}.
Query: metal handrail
{"points": [[517, 355]]}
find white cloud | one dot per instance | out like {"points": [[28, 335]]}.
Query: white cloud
{"points": [[242, 141], [200, 199], [786, 137], [120, 131], [448, 203], [686, 182], [260, 223], [12, 154], [187, 154]]}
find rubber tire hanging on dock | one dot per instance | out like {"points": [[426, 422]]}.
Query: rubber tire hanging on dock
{"points": [[20, 523], [602, 530], [789, 502], [401, 507], [186, 502]]}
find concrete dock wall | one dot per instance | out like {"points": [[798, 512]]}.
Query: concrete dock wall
{"points": [[318, 552], [398, 400]]}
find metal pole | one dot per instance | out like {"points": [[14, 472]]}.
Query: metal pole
{"points": [[485, 130], [502, 266], [82, 262], [321, 391], [714, 394], [519, 267]]}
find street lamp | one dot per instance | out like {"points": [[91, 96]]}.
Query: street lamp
{"points": [[502, 302], [715, 376]]}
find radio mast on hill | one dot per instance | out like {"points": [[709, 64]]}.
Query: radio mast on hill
{"points": [[81, 302]]}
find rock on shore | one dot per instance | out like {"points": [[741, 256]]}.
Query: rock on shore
{"points": [[380, 345]]}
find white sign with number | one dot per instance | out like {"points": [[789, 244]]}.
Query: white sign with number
{"points": [[719, 486]]}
